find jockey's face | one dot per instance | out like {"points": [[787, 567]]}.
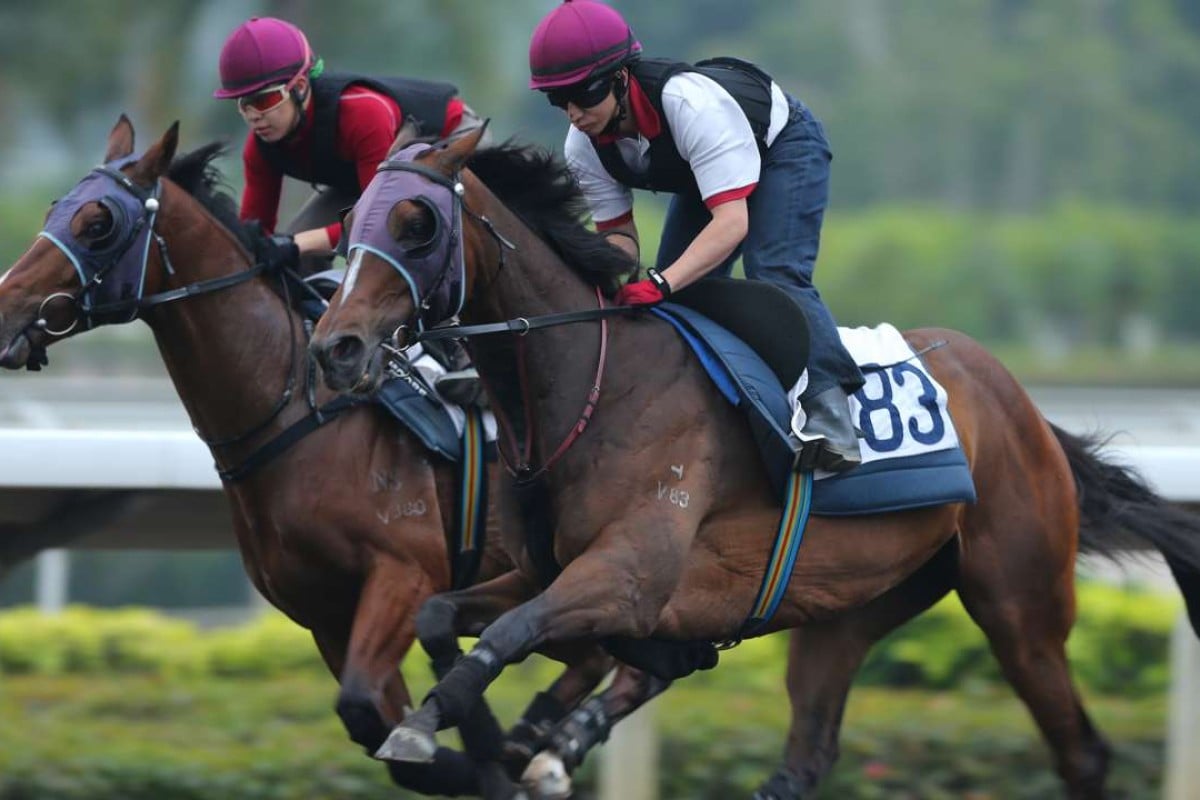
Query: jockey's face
{"points": [[278, 119], [595, 119]]}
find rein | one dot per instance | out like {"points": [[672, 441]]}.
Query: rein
{"points": [[94, 314], [519, 463]]}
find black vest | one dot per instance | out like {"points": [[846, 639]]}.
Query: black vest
{"points": [[668, 172], [423, 102]]}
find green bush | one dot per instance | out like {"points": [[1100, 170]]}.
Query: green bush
{"points": [[1119, 645]]}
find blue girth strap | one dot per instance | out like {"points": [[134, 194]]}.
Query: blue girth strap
{"points": [[471, 518], [796, 507]]}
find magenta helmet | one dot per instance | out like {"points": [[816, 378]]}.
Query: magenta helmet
{"points": [[262, 51], [576, 41]]}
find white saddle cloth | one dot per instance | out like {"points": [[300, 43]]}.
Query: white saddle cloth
{"points": [[900, 410]]}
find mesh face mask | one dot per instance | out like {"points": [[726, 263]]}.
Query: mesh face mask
{"points": [[435, 270], [112, 270]]}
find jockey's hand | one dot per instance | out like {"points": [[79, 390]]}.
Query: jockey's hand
{"points": [[280, 251], [639, 293]]}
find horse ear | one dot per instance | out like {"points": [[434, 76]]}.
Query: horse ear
{"points": [[120, 140], [452, 158], [158, 157], [406, 136]]}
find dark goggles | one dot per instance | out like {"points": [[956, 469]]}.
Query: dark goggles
{"points": [[584, 95]]}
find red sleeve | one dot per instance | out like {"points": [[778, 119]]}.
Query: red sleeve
{"points": [[333, 232], [367, 125], [260, 197], [728, 195], [609, 224], [454, 115]]}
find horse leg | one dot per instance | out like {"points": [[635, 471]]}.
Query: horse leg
{"points": [[548, 775], [447, 616], [587, 665], [1017, 583], [822, 661], [373, 693], [593, 598]]}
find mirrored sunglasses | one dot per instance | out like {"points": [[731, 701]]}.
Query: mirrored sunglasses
{"points": [[265, 101]]}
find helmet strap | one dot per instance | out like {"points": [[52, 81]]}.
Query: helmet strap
{"points": [[620, 90]]}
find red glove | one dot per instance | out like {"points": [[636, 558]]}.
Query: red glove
{"points": [[639, 293]]}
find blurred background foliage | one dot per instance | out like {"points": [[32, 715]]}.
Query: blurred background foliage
{"points": [[129, 704], [1026, 172]]}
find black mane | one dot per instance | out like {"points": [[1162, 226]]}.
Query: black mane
{"points": [[537, 186], [196, 174]]}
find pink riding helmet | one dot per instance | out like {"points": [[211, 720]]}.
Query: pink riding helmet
{"points": [[577, 40], [261, 52]]}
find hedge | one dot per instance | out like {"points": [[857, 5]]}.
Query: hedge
{"points": [[1119, 645]]}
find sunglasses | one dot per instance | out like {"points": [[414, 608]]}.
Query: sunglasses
{"points": [[265, 101], [583, 95]]}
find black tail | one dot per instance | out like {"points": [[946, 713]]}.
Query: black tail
{"points": [[1118, 511]]}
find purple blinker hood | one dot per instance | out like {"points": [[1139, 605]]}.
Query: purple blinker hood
{"points": [[111, 272], [435, 272]]}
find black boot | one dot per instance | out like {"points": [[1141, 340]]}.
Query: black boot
{"points": [[829, 441], [460, 385]]}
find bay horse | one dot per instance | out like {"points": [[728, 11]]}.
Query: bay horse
{"points": [[317, 525], [502, 228]]}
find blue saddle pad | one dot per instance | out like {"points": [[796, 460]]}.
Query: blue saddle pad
{"points": [[747, 382], [419, 411]]}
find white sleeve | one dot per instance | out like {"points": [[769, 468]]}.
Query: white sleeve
{"points": [[712, 134], [606, 198]]}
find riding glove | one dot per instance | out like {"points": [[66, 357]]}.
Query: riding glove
{"points": [[639, 293]]}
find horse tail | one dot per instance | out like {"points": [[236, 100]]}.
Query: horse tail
{"points": [[1118, 512]]}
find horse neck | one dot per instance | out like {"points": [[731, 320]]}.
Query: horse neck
{"points": [[228, 352], [560, 361]]}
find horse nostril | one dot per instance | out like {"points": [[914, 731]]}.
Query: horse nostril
{"points": [[346, 350]]}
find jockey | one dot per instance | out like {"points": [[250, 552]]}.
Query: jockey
{"points": [[329, 129], [332, 130], [748, 166]]}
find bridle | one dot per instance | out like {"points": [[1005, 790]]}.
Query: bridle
{"points": [[133, 233], [518, 460]]}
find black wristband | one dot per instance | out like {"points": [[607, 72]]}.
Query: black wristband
{"points": [[659, 281]]}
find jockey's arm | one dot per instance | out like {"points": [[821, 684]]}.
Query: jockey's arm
{"points": [[625, 236], [716, 240], [314, 241]]}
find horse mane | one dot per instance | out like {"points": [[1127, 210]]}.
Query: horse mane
{"points": [[537, 186], [197, 175]]}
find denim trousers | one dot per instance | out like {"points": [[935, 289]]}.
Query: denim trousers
{"points": [[786, 210]]}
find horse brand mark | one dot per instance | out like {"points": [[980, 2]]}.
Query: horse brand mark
{"points": [[677, 497], [413, 508], [386, 481], [678, 470]]}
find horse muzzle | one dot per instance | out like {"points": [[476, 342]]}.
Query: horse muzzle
{"points": [[15, 355], [348, 364]]}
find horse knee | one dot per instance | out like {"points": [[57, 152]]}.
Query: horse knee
{"points": [[361, 717], [435, 628]]}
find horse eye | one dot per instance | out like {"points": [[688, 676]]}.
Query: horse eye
{"points": [[100, 231], [420, 229]]}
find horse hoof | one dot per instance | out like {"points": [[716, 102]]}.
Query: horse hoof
{"points": [[546, 778], [408, 745]]}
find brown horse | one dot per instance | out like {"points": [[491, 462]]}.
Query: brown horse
{"points": [[636, 565], [317, 525]]}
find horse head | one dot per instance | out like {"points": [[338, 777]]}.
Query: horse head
{"points": [[90, 263], [412, 260]]}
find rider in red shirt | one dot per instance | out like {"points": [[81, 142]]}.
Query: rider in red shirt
{"points": [[328, 129]]}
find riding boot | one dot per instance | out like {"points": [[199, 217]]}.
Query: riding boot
{"points": [[828, 441], [460, 384]]}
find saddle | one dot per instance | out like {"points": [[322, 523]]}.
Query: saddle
{"points": [[762, 315]]}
